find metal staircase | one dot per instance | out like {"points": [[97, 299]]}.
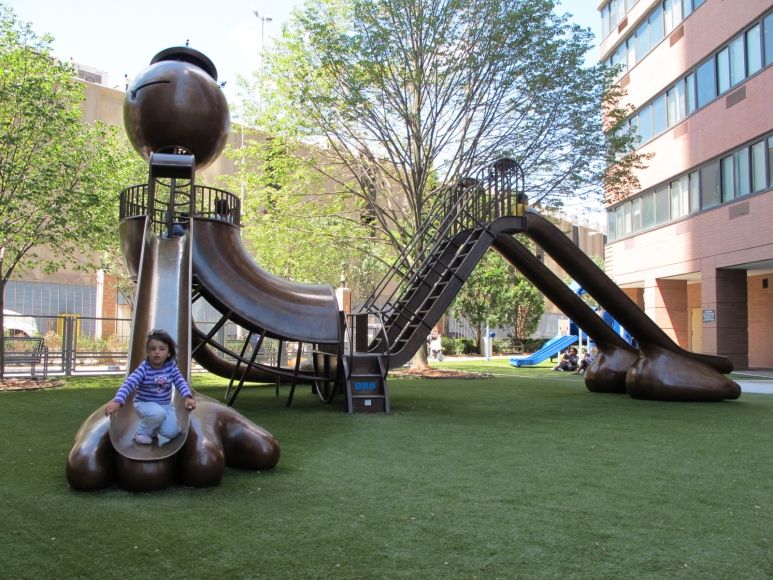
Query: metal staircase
{"points": [[428, 274]]}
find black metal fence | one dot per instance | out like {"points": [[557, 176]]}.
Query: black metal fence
{"points": [[86, 345], [75, 344]]}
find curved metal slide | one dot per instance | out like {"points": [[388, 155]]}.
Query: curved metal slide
{"points": [[212, 437], [231, 280], [163, 301], [662, 370]]}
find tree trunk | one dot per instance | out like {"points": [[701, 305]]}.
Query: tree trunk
{"points": [[419, 361]]}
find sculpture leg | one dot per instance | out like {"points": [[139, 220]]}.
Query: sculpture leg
{"points": [[608, 370], [663, 375], [90, 465]]}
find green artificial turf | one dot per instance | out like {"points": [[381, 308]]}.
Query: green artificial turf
{"points": [[523, 475]]}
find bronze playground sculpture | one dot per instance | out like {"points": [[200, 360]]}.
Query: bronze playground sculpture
{"points": [[177, 118], [181, 242]]}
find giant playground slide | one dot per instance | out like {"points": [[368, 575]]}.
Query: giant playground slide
{"points": [[210, 258], [211, 437], [177, 118], [163, 301], [607, 293], [660, 369], [230, 279]]}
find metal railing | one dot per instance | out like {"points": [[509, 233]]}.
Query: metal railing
{"points": [[80, 344], [472, 203], [208, 202]]}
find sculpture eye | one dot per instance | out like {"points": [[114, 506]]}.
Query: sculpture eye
{"points": [[134, 91]]}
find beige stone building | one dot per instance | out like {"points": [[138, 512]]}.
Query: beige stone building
{"points": [[92, 296]]}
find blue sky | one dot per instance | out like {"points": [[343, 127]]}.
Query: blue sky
{"points": [[121, 37]]}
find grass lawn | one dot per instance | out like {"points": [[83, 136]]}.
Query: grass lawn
{"points": [[524, 475]]}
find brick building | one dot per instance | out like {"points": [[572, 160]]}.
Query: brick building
{"points": [[694, 245]]}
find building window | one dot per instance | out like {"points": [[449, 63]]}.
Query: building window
{"points": [[741, 58], [648, 210], [758, 166], [710, 185], [742, 175], [620, 57], [695, 192], [677, 103], [692, 102], [680, 203], [768, 26], [741, 172], [737, 60], [613, 12], [644, 124], [672, 14], [723, 70], [627, 222], [659, 118], [642, 41], [664, 18], [636, 214], [604, 21], [656, 26], [754, 49], [728, 178], [662, 205], [706, 83]]}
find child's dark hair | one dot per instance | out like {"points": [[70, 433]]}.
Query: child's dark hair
{"points": [[166, 338]]}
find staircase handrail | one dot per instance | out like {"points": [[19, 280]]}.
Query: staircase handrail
{"points": [[381, 329], [464, 205]]}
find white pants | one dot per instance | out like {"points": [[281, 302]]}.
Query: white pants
{"points": [[156, 419]]}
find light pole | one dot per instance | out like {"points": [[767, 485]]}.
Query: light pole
{"points": [[263, 20]]}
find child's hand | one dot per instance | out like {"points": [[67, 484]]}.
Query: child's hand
{"points": [[112, 407], [190, 404]]}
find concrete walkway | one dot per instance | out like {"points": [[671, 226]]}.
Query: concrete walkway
{"points": [[760, 381], [751, 381]]}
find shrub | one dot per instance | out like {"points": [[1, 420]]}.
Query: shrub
{"points": [[458, 345], [533, 344]]}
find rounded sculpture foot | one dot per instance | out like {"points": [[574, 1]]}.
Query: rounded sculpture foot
{"points": [[218, 436], [607, 372], [663, 375], [91, 463]]}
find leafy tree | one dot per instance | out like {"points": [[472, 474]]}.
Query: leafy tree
{"points": [[526, 306], [483, 291], [402, 90], [297, 223], [59, 178], [408, 96], [496, 295]]}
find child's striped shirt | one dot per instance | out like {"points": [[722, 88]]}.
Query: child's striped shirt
{"points": [[153, 384]]}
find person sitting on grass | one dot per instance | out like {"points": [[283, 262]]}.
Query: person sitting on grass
{"points": [[568, 362], [584, 363], [153, 380]]}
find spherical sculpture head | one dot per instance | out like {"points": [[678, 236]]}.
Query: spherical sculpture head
{"points": [[176, 106]]}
